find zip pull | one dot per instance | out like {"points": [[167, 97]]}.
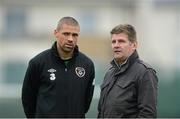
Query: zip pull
{"points": [[66, 69]]}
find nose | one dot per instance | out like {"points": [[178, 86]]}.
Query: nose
{"points": [[70, 38], [116, 45]]}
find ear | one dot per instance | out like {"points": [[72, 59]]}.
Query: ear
{"points": [[135, 45], [55, 33]]}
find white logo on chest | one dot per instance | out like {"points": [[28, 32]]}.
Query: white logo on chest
{"points": [[80, 71], [52, 74]]}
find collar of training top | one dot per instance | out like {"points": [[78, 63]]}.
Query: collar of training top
{"points": [[54, 49]]}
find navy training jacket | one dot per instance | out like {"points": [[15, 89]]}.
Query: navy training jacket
{"points": [[52, 88]]}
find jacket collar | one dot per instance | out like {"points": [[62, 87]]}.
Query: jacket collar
{"points": [[55, 51], [124, 66]]}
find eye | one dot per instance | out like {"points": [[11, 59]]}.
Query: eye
{"points": [[113, 41], [121, 41], [75, 35], [66, 34]]}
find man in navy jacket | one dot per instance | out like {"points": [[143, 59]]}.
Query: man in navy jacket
{"points": [[59, 81]]}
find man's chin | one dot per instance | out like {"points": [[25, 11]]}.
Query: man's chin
{"points": [[68, 50], [117, 56]]}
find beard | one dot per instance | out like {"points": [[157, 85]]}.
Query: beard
{"points": [[67, 49]]}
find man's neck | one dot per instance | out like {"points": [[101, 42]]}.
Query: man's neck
{"points": [[66, 58], [64, 55], [120, 63]]}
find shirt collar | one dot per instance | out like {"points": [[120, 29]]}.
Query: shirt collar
{"points": [[119, 68]]}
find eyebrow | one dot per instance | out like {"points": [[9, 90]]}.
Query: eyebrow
{"points": [[73, 34]]}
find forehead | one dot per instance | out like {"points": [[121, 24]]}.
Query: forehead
{"points": [[69, 28], [119, 36]]}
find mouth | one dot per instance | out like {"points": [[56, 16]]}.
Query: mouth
{"points": [[117, 51], [69, 45]]}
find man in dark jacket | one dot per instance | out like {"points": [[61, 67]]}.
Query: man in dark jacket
{"points": [[129, 89], [59, 81]]}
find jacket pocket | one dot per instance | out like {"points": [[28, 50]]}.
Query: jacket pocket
{"points": [[126, 90], [124, 83]]}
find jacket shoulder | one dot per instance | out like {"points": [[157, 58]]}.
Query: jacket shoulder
{"points": [[109, 71], [84, 57], [41, 56], [145, 65]]}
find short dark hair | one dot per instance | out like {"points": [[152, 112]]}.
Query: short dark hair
{"points": [[127, 29], [67, 20]]}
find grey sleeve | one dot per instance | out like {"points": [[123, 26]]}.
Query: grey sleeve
{"points": [[147, 95]]}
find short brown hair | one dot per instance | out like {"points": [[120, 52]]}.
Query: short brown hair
{"points": [[127, 29], [67, 20]]}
